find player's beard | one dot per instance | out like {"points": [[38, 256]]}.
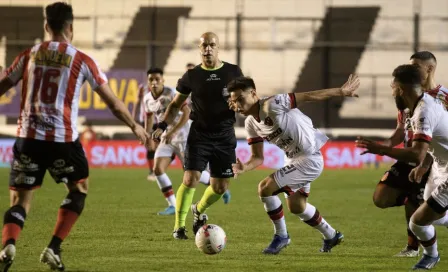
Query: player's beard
{"points": [[399, 101]]}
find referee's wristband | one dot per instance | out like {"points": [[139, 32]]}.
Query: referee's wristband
{"points": [[162, 125]]}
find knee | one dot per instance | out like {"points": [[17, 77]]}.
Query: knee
{"points": [[265, 187], [191, 179], [82, 187], [381, 203], [158, 170], [297, 208], [74, 201], [220, 187]]}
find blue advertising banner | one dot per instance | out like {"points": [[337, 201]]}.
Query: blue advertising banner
{"points": [[124, 83]]}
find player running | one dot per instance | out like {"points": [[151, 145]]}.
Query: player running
{"points": [[52, 74], [277, 120], [428, 120], [395, 189], [173, 140], [212, 136]]}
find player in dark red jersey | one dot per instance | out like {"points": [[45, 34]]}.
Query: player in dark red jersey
{"points": [[52, 74]]}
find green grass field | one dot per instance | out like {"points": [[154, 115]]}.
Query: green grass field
{"points": [[120, 230]]}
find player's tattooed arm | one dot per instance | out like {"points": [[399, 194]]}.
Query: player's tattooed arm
{"points": [[348, 89], [415, 154], [256, 159], [170, 114]]}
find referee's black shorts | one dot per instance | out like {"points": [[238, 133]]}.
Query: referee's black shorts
{"points": [[215, 148]]}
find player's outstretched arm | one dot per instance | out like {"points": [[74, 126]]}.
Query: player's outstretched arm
{"points": [[256, 159], [121, 112], [5, 85], [416, 153], [348, 89]]}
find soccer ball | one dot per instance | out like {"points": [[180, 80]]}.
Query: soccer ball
{"points": [[211, 239]]}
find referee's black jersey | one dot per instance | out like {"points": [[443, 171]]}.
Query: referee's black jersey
{"points": [[210, 111]]}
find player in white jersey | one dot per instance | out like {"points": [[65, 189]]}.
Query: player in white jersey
{"points": [[173, 140], [277, 120], [52, 74], [429, 122], [395, 189], [138, 113]]}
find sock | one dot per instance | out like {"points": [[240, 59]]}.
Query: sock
{"points": [[71, 208], [13, 222], [151, 165], [184, 198], [205, 178], [412, 240], [208, 198], [312, 217], [442, 221], [273, 206], [166, 187], [427, 237]]}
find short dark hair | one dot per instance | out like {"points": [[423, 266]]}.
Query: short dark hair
{"points": [[154, 70], [240, 83], [407, 74], [424, 55], [58, 15], [190, 64]]}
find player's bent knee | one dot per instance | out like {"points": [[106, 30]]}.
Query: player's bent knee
{"points": [[79, 186], [267, 187], [297, 203], [74, 202], [21, 198], [191, 178], [219, 186], [158, 170], [382, 203]]}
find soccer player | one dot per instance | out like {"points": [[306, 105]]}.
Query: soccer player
{"points": [[173, 140], [138, 113], [277, 120], [395, 189], [212, 136], [428, 120], [52, 74]]}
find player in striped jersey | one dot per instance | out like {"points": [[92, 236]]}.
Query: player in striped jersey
{"points": [[394, 188], [52, 74]]}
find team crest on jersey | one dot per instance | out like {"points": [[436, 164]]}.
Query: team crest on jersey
{"points": [[268, 121]]}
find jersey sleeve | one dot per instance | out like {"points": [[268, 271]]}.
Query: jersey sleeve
{"points": [[281, 103], [252, 136], [15, 72], [401, 120], [93, 73], [424, 124], [183, 84]]}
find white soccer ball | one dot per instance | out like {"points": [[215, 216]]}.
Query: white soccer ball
{"points": [[211, 239]]}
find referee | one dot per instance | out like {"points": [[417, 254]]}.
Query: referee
{"points": [[212, 136]]}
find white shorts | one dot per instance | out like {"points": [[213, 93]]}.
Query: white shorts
{"points": [[298, 174], [167, 150], [437, 188]]}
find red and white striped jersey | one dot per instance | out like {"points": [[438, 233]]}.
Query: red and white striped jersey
{"points": [[52, 74], [403, 119]]}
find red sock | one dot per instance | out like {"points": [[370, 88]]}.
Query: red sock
{"points": [[65, 222], [10, 233]]}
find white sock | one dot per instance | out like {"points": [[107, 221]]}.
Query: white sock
{"points": [[442, 221], [166, 187], [312, 217], [205, 178], [273, 206], [427, 237]]}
